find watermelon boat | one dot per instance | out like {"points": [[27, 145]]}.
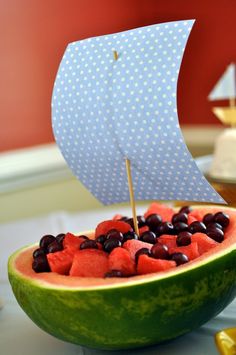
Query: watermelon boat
{"points": [[141, 280], [129, 312]]}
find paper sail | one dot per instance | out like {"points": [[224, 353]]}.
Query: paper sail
{"points": [[226, 86], [106, 110]]}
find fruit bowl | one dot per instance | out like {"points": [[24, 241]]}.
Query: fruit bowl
{"points": [[128, 312]]}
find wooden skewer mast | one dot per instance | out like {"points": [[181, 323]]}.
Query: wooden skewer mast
{"points": [[130, 183], [131, 195], [232, 101]]}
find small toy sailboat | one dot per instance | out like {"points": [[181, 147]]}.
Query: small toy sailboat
{"points": [[114, 113], [223, 165], [225, 89]]}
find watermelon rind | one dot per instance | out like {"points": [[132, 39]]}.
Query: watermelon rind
{"points": [[134, 313]]}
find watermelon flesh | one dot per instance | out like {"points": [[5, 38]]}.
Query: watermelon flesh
{"points": [[61, 262], [104, 227], [162, 210], [72, 242], [83, 267], [195, 215], [120, 259], [135, 245], [204, 243], [168, 240], [147, 265], [129, 312], [190, 250]]}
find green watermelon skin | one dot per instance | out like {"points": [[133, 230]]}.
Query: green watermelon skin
{"points": [[129, 315]]}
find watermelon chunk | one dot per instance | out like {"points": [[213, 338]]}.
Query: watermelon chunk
{"points": [[147, 265], [190, 250], [61, 261], [195, 215], [89, 263], [72, 242], [105, 226], [168, 240], [192, 219], [204, 242], [143, 229], [164, 211], [120, 259], [133, 245], [117, 217]]}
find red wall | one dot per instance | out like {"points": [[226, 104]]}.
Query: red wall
{"points": [[34, 34]]}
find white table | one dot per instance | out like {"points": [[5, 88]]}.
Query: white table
{"points": [[20, 336]]}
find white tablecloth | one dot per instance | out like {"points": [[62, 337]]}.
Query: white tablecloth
{"points": [[20, 336]]}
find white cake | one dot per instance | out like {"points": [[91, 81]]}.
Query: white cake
{"points": [[224, 157]]}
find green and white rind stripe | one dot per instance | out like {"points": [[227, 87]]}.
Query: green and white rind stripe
{"points": [[133, 314]]}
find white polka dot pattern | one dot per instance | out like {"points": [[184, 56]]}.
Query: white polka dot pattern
{"points": [[105, 110]]}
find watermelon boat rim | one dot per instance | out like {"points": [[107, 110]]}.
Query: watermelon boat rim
{"points": [[43, 279]]}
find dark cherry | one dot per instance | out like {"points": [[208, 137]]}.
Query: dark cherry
{"points": [[111, 244], [54, 247], [40, 264], [130, 221], [183, 238], [142, 251], [113, 273], [60, 237], [38, 252], [141, 221], [179, 258], [101, 239], [124, 218], [46, 240], [160, 251], [197, 227], [213, 226], [165, 228], [208, 219], [148, 237], [180, 227], [179, 217], [153, 221], [129, 235], [83, 236], [185, 209], [216, 234], [88, 244], [222, 218], [114, 234]]}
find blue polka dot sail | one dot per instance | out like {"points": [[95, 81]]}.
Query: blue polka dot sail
{"points": [[106, 110]]}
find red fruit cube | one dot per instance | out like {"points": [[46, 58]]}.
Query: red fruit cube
{"points": [[72, 242], [133, 245], [105, 226], [147, 265], [190, 250], [164, 211], [89, 263], [168, 240], [204, 242], [61, 261], [120, 259], [117, 217], [191, 219], [195, 215], [143, 229]]}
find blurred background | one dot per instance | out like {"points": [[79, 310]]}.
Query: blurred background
{"points": [[34, 34]]}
